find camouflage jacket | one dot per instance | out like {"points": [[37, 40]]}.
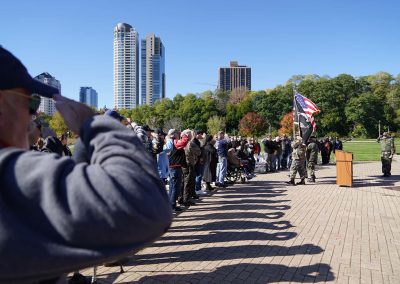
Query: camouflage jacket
{"points": [[299, 150], [312, 152]]}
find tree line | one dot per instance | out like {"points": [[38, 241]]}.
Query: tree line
{"points": [[350, 106]]}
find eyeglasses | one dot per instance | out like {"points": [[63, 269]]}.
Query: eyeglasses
{"points": [[34, 101]]}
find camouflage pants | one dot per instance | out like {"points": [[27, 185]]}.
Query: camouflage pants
{"points": [[311, 169], [386, 165], [297, 166]]}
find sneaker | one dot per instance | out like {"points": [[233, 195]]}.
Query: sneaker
{"points": [[201, 192], [177, 209]]}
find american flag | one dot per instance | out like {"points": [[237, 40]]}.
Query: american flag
{"points": [[308, 106]]}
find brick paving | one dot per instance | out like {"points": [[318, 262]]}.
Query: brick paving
{"points": [[267, 232]]}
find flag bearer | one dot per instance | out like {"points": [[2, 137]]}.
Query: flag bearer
{"points": [[298, 161]]}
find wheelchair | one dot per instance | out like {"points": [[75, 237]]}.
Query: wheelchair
{"points": [[235, 174]]}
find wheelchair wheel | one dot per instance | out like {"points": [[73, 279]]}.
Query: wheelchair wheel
{"points": [[233, 175]]}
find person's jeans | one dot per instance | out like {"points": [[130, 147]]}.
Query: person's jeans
{"points": [[175, 184], [278, 161], [199, 176], [222, 165]]}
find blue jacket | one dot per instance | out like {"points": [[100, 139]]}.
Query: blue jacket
{"points": [[222, 148]]}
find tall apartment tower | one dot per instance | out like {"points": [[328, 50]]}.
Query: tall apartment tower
{"points": [[126, 67], [153, 69], [88, 96], [234, 77], [46, 104]]}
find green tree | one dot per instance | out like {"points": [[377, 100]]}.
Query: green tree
{"points": [[235, 112], [274, 104], [215, 124], [365, 111], [58, 125]]}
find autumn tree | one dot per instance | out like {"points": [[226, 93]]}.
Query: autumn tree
{"points": [[286, 124], [252, 124]]}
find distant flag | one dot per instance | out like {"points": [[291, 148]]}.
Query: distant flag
{"points": [[304, 109]]}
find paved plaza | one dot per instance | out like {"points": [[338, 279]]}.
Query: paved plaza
{"points": [[267, 232]]}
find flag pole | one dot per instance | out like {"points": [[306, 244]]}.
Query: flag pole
{"points": [[294, 113]]}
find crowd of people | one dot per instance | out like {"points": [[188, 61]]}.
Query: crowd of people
{"points": [[192, 163]]}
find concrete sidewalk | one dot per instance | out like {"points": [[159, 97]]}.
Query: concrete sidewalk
{"points": [[266, 232]]}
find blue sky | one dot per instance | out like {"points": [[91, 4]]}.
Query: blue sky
{"points": [[73, 40]]}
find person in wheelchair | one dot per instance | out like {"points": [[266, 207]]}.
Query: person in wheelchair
{"points": [[235, 163], [246, 158]]}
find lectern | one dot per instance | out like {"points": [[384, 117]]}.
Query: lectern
{"points": [[344, 168]]}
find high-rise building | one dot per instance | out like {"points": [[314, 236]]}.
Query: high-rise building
{"points": [[126, 67], [234, 77], [46, 104], [88, 95], [153, 69]]}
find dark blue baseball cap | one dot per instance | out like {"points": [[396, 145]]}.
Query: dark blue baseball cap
{"points": [[114, 114], [13, 74]]}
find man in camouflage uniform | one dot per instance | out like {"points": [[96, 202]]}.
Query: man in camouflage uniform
{"points": [[387, 152], [312, 158], [298, 161]]}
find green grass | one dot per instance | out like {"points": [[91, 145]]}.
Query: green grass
{"points": [[365, 150]]}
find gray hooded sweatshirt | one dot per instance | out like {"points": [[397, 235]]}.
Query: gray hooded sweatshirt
{"points": [[59, 215]]}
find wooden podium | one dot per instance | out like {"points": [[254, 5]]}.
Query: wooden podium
{"points": [[344, 168]]}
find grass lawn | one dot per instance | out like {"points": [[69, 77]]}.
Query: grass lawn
{"points": [[365, 150]]}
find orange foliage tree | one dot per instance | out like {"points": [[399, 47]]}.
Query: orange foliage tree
{"points": [[286, 124], [252, 124]]}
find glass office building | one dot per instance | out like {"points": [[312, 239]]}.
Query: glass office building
{"points": [[126, 67]]}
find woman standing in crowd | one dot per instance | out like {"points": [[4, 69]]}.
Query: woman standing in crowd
{"points": [[210, 162]]}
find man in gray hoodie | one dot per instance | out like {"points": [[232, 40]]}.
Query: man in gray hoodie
{"points": [[59, 215]]}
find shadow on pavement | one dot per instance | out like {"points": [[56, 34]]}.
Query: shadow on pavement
{"points": [[234, 225], [226, 253], [218, 237], [244, 207], [248, 230], [240, 200], [238, 215], [240, 273]]}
